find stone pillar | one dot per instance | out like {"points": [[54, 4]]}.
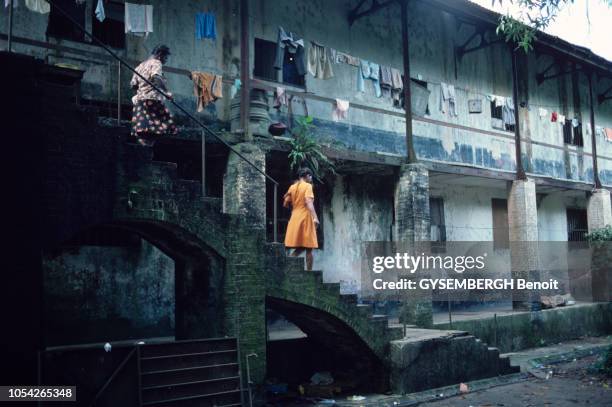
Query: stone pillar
{"points": [[523, 231], [244, 197], [599, 214], [244, 188], [412, 224], [244, 295]]}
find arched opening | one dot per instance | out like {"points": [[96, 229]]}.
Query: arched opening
{"points": [[314, 348], [131, 280]]}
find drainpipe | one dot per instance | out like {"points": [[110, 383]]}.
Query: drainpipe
{"points": [[411, 155], [520, 171], [245, 77], [593, 138]]}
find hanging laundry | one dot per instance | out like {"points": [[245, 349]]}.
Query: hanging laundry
{"points": [[542, 112], [39, 6], [448, 99], [608, 133], [344, 58], [100, 13], [205, 26], [333, 53], [498, 101], [554, 117], [369, 70], [508, 113], [207, 88], [280, 97], [319, 61], [397, 85], [15, 3], [386, 82], [340, 111], [235, 88], [575, 122], [288, 41], [561, 119], [138, 19]]}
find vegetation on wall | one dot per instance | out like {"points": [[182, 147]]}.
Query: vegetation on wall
{"points": [[601, 235], [306, 151]]}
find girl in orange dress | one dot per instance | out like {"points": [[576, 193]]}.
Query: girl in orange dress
{"points": [[301, 232]]}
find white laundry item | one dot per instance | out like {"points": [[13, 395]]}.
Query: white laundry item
{"points": [[575, 122], [15, 3], [500, 101], [543, 112], [340, 111], [561, 119], [138, 19], [39, 6], [447, 96], [100, 13]]}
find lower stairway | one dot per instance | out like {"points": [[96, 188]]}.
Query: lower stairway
{"points": [[191, 373], [411, 360], [430, 358]]}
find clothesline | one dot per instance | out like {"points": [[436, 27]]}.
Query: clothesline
{"points": [[335, 52]]}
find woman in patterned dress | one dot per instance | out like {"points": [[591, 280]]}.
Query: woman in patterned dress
{"points": [[151, 118]]}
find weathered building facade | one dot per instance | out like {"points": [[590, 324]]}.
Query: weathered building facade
{"points": [[466, 185]]}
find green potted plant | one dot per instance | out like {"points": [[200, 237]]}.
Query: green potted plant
{"points": [[306, 151]]}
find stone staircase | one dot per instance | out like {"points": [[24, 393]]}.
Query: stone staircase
{"points": [[191, 373], [428, 358], [417, 360]]}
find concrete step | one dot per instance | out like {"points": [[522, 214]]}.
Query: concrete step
{"points": [[203, 389], [427, 358], [187, 347], [349, 298], [173, 376], [188, 189], [179, 361]]}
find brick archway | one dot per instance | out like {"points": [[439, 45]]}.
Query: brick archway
{"points": [[199, 271]]}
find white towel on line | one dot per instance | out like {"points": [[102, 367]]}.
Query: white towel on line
{"points": [[138, 19]]}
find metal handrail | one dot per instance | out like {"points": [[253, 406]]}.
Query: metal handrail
{"points": [[112, 377], [178, 106]]}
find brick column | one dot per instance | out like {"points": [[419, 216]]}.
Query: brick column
{"points": [[599, 214], [523, 231], [412, 224], [244, 188], [244, 196]]}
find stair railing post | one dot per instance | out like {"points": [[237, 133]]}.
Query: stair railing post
{"points": [[203, 163], [119, 93], [275, 213], [139, 375], [10, 27]]}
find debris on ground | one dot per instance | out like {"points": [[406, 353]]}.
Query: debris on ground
{"points": [[554, 301], [323, 378]]}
